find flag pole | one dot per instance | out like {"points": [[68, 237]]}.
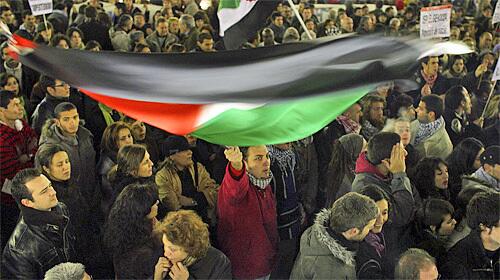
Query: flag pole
{"points": [[489, 98], [299, 17], [45, 22]]}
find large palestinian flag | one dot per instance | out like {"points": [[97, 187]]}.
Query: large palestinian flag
{"points": [[245, 97], [240, 19]]}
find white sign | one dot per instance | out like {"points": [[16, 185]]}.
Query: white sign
{"points": [[496, 15], [40, 7], [435, 22], [496, 74]]}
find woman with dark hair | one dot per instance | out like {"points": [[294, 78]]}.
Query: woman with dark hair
{"points": [[431, 178], [115, 136], [75, 36], [340, 173], [132, 166], [371, 262], [54, 163], [11, 83], [456, 67], [464, 160], [187, 251], [434, 223], [129, 232], [60, 41]]}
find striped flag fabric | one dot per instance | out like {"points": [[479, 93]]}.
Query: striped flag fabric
{"points": [[241, 19], [267, 95]]}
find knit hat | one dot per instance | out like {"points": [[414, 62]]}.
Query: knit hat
{"points": [[352, 144], [491, 155], [174, 144]]}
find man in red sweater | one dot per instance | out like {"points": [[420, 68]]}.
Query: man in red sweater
{"points": [[247, 230], [18, 145]]}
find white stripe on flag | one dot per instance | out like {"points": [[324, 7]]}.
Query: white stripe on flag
{"points": [[229, 17]]}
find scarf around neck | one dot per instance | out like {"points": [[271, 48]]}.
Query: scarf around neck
{"points": [[260, 183], [349, 125], [426, 130], [375, 241], [284, 158], [430, 80]]}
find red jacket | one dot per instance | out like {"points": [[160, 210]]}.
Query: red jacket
{"points": [[13, 144], [247, 229]]}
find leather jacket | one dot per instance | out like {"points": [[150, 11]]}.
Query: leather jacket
{"points": [[39, 242]]}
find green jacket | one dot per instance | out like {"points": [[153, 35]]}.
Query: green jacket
{"points": [[321, 256]]}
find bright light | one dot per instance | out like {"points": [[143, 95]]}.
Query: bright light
{"points": [[205, 4]]}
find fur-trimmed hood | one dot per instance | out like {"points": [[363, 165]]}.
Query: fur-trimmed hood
{"points": [[321, 243]]}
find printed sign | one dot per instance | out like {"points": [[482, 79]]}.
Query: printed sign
{"points": [[435, 22], [40, 7], [496, 15], [496, 74]]}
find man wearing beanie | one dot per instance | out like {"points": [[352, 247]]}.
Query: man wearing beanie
{"points": [[185, 184], [489, 172]]}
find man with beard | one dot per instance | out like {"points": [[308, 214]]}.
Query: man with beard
{"points": [[373, 116], [246, 207], [428, 133]]}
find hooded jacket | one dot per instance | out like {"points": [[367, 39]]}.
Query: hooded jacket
{"points": [[81, 154], [403, 198], [321, 255]]}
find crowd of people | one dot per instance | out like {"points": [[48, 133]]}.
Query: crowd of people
{"points": [[404, 184]]}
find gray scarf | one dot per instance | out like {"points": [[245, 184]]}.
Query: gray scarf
{"points": [[285, 158], [260, 183]]}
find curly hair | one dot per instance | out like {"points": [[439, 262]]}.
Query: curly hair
{"points": [[109, 142], [184, 228], [128, 225]]}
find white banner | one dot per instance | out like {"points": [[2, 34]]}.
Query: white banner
{"points": [[496, 74], [496, 15], [435, 22], [40, 7]]}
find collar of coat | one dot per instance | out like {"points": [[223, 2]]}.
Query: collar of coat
{"points": [[337, 250]]}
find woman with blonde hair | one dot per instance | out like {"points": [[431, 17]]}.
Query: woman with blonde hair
{"points": [[187, 250]]}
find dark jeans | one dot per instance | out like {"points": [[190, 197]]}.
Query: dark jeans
{"points": [[287, 251]]}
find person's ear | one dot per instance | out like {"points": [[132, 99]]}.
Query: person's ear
{"points": [[27, 203], [51, 90], [46, 169], [432, 114]]}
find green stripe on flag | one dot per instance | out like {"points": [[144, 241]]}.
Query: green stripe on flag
{"points": [[229, 4], [279, 122]]}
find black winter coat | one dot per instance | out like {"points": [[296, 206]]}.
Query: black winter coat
{"points": [[40, 241], [468, 260], [215, 265]]}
